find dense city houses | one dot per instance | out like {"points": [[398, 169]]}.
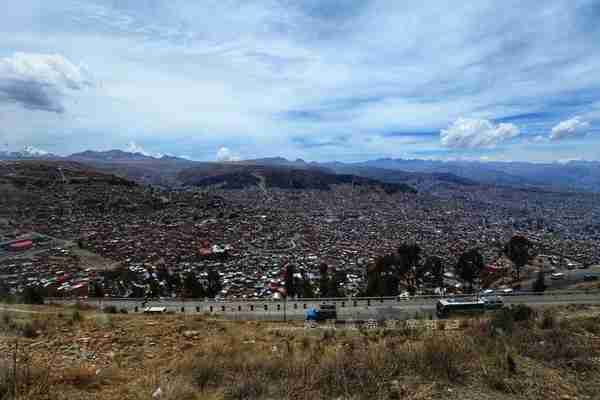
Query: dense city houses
{"points": [[118, 239]]}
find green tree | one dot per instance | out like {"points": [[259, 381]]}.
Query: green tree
{"points": [[375, 283], [290, 280], [97, 289], [192, 288], [435, 265], [153, 288], [469, 266], [382, 279], [214, 284], [408, 258], [518, 251], [540, 282], [32, 296], [306, 287], [338, 278], [323, 280]]}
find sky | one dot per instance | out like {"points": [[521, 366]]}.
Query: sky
{"points": [[345, 80]]}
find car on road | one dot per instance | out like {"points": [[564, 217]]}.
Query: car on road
{"points": [[404, 296], [557, 275], [590, 278], [493, 302], [323, 313], [155, 310]]}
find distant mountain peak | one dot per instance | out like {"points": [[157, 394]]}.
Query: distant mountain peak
{"points": [[111, 155]]}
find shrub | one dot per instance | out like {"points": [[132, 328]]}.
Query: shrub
{"points": [[110, 309], [245, 389], [76, 316], [502, 321], [548, 320], [80, 376], [444, 358], [104, 321], [177, 389], [28, 330], [7, 321], [522, 313], [32, 296]]}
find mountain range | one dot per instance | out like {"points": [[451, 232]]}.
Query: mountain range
{"points": [[171, 171]]}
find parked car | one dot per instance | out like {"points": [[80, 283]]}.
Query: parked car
{"points": [[590, 278]]}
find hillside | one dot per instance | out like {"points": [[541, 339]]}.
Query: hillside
{"points": [[59, 194], [69, 353], [573, 175], [238, 175], [423, 181]]}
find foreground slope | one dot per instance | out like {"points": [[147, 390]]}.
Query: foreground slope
{"points": [[74, 354]]}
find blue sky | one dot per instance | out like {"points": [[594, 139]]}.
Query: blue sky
{"points": [[321, 80]]}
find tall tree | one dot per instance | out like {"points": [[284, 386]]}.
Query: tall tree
{"points": [[518, 251], [408, 258], [336, 281], [375, 282], [192, 288], [540, 282], [323, 280], [290, 280], [97, 289], [306, 287], [435, 265], [469, 266], [214, 283]]}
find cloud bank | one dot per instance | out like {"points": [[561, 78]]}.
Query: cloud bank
{"points": [[467, 133], [571, 128]]}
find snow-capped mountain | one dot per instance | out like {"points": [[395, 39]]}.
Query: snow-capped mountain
{"points": [[28, 152]]}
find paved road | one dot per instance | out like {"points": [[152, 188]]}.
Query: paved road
{"points": [[572, 277], [347, 308]]}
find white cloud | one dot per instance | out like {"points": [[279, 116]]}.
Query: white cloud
{"points": [[52, 69], [133, 147], [39, 81], [570, 128], [194, 76], [34, 151], [476, 133], [224, 154]]}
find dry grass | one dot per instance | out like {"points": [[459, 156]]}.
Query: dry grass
{"points": [[530, 356]]}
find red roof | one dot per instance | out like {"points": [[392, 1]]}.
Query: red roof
{"points": [[21, 245]]}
